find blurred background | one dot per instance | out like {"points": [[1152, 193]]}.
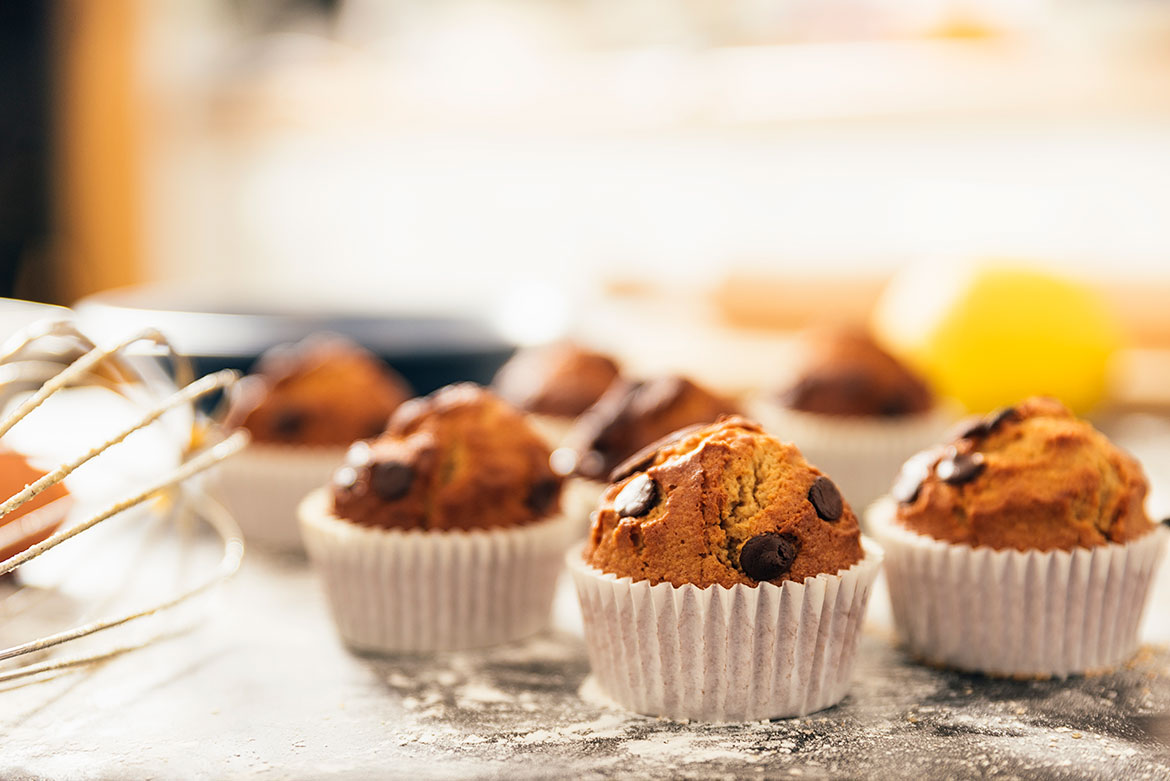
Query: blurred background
{"points": [[706, 174]]}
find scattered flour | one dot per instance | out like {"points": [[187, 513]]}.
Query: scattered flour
{"points": [[687, 748], [532, 706]]}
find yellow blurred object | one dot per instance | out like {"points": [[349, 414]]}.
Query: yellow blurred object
{"points": [[966, 26], [991, 333]]}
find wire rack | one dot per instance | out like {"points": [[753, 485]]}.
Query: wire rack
{"points": [[52, 357]]}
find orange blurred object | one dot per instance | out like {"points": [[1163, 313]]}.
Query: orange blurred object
{"points": [[37, 518]]}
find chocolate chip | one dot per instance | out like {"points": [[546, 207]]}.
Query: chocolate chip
{"points": [[600, 433], [543, 495], [635, 463], [803, 392], [288, 423], [656, 395], [997, 418], [959, 468], [895, 407], [982, 427], [826, 499], [769, 555], [645, 457], [391, 479], [637, 497], [975, 428], [857, 385], [913, 473], [1166, 522]]}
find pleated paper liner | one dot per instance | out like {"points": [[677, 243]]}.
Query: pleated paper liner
{"points": [[724, 654], [1030, 614], [862, 455], [263, 485], [410, 591]]}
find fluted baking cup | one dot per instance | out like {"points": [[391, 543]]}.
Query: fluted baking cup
{"points": [[724, 654], [1016, 613], [263, 485], [861, 454], [403, 591]]}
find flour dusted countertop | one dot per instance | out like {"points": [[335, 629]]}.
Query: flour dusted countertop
{"points": [[263, 689]]}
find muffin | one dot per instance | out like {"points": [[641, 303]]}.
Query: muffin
{"points": [[724, 579], [630, 416], [853, 409], [846, 373], [323, 391], [442, 533], [34, 521], [1021, 547], [554, 384], [303, 405]]}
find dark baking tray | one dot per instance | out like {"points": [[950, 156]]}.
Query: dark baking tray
{"points": [[430, 349]]}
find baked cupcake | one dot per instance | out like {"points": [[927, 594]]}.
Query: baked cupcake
{"points": [[630, 416], [323, 391], [444, 532], [853, 409], [303, 405], [34, 521], [724, 579], [554, 384], [1021, 547]]}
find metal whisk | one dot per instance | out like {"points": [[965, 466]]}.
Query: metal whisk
{"points": [[51, 356]]}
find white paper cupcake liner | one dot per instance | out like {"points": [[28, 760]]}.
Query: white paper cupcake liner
{"points": [[409, 591], [724, 654], [861, 455], [1027, 614], [263, 485]]}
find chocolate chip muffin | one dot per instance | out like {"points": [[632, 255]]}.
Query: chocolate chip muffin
{"points": [[631, 415], [560, 380], [716, 558], [1028, 477], [845, 372], [720, 505], [324, 390], [444, 532], [1020, 548], [853, 410], [460, 458]]}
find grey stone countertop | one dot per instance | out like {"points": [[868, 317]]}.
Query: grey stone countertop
{"points": [[262, 688]]}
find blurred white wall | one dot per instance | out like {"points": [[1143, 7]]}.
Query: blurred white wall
{"points": [[493, 151]]}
